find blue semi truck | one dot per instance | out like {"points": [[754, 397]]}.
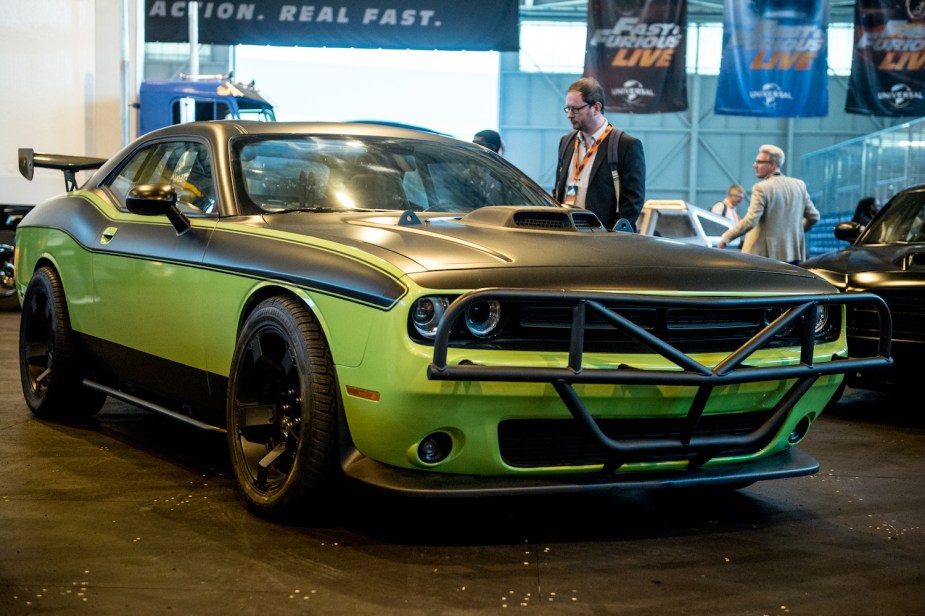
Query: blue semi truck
{"points": [[209, 97]]}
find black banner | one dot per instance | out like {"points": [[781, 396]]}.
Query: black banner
{"points": [[888, 67], [451, 25], [637, 50]]}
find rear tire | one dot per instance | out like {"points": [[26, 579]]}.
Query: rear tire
{"points": [[49, 364], [282, 409]]}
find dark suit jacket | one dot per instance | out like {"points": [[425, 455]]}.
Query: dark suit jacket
{"points": [[600, 197]]}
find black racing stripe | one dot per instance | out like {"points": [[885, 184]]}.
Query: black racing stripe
{"points": [[322, 270], [261, 257], [178, 387]]}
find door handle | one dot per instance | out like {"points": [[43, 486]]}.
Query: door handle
{"points": [[108, 234]]}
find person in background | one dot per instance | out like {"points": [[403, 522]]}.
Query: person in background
{"points": [[587, 176], [727, 207], [779, 214], [865, 211], [489, 139]]}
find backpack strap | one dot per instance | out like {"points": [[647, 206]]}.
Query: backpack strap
{"points": [[613, 158], [563, 148]]}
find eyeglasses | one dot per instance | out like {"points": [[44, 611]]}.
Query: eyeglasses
{"points": [[569, 109], [762, 162]]}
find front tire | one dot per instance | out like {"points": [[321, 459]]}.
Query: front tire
{"points": [[49, 364], [282, 403]]}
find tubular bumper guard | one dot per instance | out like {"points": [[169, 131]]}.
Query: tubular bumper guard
{"points": [[731, 370]]}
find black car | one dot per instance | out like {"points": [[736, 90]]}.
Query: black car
{"points": [[10, 215], [886, 258]]}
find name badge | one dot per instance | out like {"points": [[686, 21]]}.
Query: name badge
{"points": [[571, 195]]}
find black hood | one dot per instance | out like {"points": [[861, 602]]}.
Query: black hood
{"points": [[486, 249]]}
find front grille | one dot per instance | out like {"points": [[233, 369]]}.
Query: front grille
{"points": [[544, 324], [689, 330], [532, 443], [905, 307]]}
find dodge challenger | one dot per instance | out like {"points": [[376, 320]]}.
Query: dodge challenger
{"points": [[367, 304]]}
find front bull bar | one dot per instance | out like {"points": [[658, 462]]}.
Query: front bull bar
{"points": [[730, 370]]}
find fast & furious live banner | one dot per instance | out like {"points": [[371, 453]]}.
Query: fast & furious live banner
{"points": [[450, 25], [775, 55], [888, 66], [637, 50]]}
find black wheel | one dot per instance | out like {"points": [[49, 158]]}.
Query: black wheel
{"points": [[8, 299], [48, 360], [282, 408]]}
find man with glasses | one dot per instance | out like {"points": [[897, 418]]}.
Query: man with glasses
{"points": [[600, 168], [727, 207], [779, 214]]}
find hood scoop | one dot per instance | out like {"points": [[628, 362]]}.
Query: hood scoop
{"points": [[535, 218]]}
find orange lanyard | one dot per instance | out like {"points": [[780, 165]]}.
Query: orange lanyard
{"points": [[589, 153]]}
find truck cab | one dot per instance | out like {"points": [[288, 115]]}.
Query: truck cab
{"points": [[210, 97]]}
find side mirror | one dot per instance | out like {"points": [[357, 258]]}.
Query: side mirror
{"points": [[848, 231], [157, 200]]}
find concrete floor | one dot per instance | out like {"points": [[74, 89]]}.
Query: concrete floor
{"points": [[134, 514]]}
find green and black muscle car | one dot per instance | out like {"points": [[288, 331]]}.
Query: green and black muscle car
{"points": [[368, 303]]}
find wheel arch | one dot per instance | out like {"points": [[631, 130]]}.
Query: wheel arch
{"points": [[346, 446], [265, 292]]}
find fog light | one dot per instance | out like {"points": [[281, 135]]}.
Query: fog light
{"points": [[799, 431], [435, 447]]}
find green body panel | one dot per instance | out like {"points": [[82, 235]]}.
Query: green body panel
{"points": [[181, 312], [189, 315]]}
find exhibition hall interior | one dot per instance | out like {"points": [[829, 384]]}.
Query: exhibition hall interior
{"points": [[442, 307]]}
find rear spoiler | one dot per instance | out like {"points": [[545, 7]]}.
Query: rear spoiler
{"points": [[70, 165]]}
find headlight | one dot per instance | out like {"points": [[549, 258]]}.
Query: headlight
{"points": [[426, 314], [483, 319], [824, 320]]}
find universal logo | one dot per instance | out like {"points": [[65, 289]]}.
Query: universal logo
{"points": [[915, 9], [900, 95], [771, 93], [633, 91]]}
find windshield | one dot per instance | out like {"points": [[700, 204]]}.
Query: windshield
{"points": [[337, 173], [902, 220], [248, 110]]}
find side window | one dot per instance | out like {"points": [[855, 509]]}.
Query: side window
{"points": [[185, 165], [711, 227], [675, 224]]}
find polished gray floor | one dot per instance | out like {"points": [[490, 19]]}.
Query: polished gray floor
{"points": [[134, 514]]}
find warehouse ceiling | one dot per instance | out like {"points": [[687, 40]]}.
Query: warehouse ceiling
{"points": [[842, 11]]}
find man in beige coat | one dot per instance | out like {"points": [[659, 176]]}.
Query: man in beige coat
{"points": [[779, 213]]}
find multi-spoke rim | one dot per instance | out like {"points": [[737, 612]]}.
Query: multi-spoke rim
{"points": [[267, 407], [38, 342]]}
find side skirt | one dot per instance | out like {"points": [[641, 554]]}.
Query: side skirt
{"points": [[150, 406]]}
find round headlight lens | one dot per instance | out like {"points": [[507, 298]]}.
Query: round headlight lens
{"points": [[823, 320], [426, 314], [484, 319]]}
